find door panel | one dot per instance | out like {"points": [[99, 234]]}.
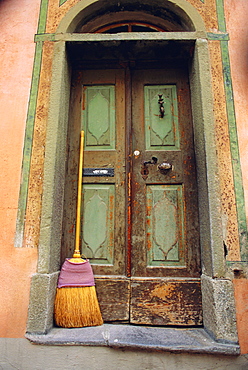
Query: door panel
{"points": [[114, 297], [158, 302], [165, 225], [98, 115], [98, 223], [139, 224], [161, 135]]}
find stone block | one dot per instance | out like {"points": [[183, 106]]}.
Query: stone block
{"points": [[219, 316], [42, 295]]}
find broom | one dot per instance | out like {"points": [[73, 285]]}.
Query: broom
{"points": [[76, 303]]}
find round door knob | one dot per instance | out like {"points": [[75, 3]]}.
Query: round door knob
{"points": [[165, 166]]}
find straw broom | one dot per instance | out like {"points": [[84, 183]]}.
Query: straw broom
{"points": [[76, 303]]}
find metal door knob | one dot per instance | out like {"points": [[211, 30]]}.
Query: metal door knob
{"points": [[165, 166]]}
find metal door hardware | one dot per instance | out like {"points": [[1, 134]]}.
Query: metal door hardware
{"points": [[161, 105], [154, 160], [164, 167], [144, 168]]}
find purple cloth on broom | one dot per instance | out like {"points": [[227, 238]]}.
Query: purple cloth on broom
{"points": [[76, 274]]}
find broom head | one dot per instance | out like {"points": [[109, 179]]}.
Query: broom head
{"points": [[76, 303]]}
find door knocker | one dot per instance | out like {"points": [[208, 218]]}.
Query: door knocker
{"points": [[161, 105]]}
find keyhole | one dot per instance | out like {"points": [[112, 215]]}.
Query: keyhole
{"points": [[144, 168], [144, 171]]}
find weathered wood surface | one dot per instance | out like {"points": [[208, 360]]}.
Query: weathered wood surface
{"points": [[114, 297], [158, 302], [140, 226]]}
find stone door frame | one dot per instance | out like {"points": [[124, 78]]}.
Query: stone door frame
{"points": [[217, 291]]}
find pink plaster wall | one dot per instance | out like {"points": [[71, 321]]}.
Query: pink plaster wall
{"points": [[18, 24], [237, 27], [241, 297]]}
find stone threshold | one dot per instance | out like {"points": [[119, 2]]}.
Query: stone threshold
{"points": [[195, 340]]}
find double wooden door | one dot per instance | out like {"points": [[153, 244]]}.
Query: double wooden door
{"points": [[140, 217]]}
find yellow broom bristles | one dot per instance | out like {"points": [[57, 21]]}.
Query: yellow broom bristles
{"points": [[76, 307]]}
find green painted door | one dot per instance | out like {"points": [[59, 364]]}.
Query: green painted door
{"points": [[165, 258], [139, 219]]}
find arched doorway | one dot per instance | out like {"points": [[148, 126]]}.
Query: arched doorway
{"points": [[192, 47], [140, 225]]}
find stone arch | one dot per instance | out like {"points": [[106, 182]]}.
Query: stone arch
{"points": [[180, 10]]}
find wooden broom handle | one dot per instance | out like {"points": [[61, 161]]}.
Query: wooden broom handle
{"points": [[79, 197]]}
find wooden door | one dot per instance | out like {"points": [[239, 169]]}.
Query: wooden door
{"points": [[140, 220], [165, 240]]}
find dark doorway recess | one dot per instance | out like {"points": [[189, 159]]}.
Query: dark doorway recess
{"points": [[139, 225]]}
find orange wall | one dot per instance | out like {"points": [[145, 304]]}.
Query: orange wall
{"points": [[18, 24], [237, 27], [241, 297]]}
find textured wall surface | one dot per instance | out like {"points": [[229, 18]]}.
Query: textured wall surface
{"points": [[236, 19], [16, 64], [17, 50]]}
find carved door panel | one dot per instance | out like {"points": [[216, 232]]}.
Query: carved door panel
{"points": [[139, 222]]}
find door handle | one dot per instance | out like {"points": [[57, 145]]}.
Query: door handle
{"points": [[154, 160], [144, 167], [164, 167]]}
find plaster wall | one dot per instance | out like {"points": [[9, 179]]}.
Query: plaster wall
{"points": [[236, 20], [16, 63], [18, 264]]}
